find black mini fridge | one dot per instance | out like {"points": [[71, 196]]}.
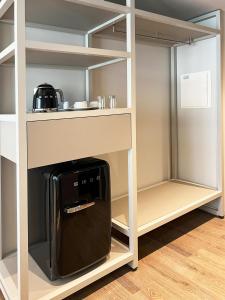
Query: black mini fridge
{"points": [[69, 216]]}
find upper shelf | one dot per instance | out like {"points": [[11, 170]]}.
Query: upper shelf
{"points": [[82, 15], [43, 53], [69, 55], [150, 23], [161, 29]]}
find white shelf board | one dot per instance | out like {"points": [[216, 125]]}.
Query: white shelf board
{"points": [[7, 53], [153, 19], [43, 53], [32, 117], [169, 28], [43, 289], [160, 204], [7, 118], [81, 15], [151, 24], [4, 6]]}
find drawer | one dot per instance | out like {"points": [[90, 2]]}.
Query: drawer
{"points": [[55, 141]]}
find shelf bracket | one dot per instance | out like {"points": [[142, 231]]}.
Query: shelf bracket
{"points": [[107, 24]]}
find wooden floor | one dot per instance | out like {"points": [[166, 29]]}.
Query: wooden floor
{"points": [[184, 259]]}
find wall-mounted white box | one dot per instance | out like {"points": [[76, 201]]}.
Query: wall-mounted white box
{"points": [[196, 90]]}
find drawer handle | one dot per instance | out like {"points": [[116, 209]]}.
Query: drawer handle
{"points": [[75, 209]]}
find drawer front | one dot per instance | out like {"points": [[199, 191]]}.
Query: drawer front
{"points": [[55, 141]]}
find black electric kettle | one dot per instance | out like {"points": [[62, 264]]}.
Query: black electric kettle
{"points": [[45, 98]]}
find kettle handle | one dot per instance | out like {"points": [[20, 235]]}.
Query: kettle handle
{"points": [[60, 94], [35, 90]]}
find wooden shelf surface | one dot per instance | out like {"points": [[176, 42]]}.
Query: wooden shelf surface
{"points": [[43, 289], [174, 31], [32, 117], [7, 118], [162, 203], [43, 53], [69, 55], [80, 15], [171, 24]]}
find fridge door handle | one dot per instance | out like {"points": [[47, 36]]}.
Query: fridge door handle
{"points": [[77, 208]]}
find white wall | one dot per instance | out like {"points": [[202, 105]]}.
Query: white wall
{"points": [[153, 113], [197, 127], [7, 86], [8, 200]]}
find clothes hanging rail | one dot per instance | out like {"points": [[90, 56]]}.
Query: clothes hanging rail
{"points": [[155, 37]]}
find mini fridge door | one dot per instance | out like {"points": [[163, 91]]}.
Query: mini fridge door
{"points": [[81, 219]]}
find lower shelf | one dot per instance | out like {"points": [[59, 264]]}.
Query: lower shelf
{"points": [[41, 288], [160, 204]]}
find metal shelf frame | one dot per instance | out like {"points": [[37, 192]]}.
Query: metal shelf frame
{"points": [[18, 122], [18, 50]]}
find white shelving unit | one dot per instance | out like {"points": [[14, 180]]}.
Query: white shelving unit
{"points": [[134, 214], [20, 276]]}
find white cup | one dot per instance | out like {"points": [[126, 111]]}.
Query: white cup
{"points": [[66, 105], [93, 103], [80, 104]]}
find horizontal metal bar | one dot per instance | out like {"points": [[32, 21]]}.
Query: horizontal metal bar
{"points": [[155, 37], [7, 53], [113, 61]]}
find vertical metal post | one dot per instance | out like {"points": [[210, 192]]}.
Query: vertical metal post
{"points": [[1, 241], [221, 109], [87, 72], [173, 116], [131, 103], [21, 151]]}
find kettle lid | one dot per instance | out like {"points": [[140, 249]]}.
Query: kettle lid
{"points": [[45, 85]]}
